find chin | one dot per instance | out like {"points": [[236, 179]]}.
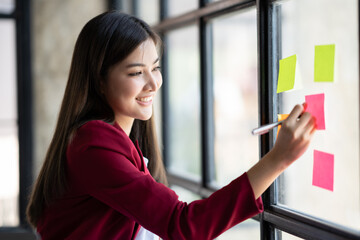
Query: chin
{"points": [[144, 118]]}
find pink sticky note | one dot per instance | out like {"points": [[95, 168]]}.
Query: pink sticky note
{"points": [[315, 106], [323, 171]]}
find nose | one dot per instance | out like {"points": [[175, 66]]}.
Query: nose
{"points": [[154, 82]]}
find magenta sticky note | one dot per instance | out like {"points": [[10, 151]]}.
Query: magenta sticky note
{"points": [[315, 106], [323, 170]]}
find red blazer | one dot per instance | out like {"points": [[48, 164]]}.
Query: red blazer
{"points": [[111, 193]]}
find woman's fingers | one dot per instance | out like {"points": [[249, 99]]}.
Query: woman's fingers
{"points": [[296, 133], [296, 112], [310, 127], [304, 119], [298, 118]]}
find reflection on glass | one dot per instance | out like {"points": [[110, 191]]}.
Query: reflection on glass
{"points": [[235, 94], [9, 149], [184, 94], [184, 194], [249, 229], [7, 6], [304, 26], [176, 7], [148, 10]]}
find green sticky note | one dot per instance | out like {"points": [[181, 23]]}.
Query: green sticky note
{"points": [[286, 79], [324, 63]]}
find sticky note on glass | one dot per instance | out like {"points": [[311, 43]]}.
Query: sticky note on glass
{"points": [[315, 106], [324, 63], [286, 78], [323, 170], [280, 118]]}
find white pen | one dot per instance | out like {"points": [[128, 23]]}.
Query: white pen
{"points": [[265, 128]]}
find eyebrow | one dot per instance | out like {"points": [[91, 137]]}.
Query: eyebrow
{"points": [[139, 64]]}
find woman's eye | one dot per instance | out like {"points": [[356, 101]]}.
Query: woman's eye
{"points": [[134, 74], [158, 68]]}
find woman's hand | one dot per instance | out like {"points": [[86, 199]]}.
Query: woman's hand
{"points": [[294, 136], [293, 140]]}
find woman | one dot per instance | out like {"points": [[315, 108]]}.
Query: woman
{"points": [[95, 184]]}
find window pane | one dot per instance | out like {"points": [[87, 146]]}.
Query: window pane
{"points": [[306, 24], [149, 11], [184, 194], [235, 94], [9, 149], [287, 236], [184, 94], [176, 7], [7, 6], [249, 229]]}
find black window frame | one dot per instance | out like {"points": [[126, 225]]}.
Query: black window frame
{"points": [[275, 218], [22, 17]]}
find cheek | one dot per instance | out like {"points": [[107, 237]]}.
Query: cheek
{"points": [[121, 88]]}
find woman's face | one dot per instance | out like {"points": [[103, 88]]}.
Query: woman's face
{"points": [[131, 85]]}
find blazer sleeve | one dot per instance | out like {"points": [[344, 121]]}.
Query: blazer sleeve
{"points": [[112, 178]]}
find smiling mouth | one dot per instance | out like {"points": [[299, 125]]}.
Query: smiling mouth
{"points": [[145, 99]]}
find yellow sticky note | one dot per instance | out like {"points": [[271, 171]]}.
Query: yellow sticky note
{"points": [[324, 63], [286, 79]]}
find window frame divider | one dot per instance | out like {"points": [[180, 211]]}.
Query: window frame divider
{"points": [[24, 104], [165, 106], [266, 106], [206, 102], [207, 11], [306, 226]]}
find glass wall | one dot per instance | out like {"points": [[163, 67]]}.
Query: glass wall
{"points": [[184, 194], [149, 11], [235, 93], [7, 6], [287, 236], [184, 99], [303, 28], [176, 7], [9, 144]]}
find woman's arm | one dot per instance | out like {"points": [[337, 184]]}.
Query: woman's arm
{"points": [[102, 165], [292, 141]]}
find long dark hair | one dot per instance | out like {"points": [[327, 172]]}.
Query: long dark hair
{"points": [[104, 41]]}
